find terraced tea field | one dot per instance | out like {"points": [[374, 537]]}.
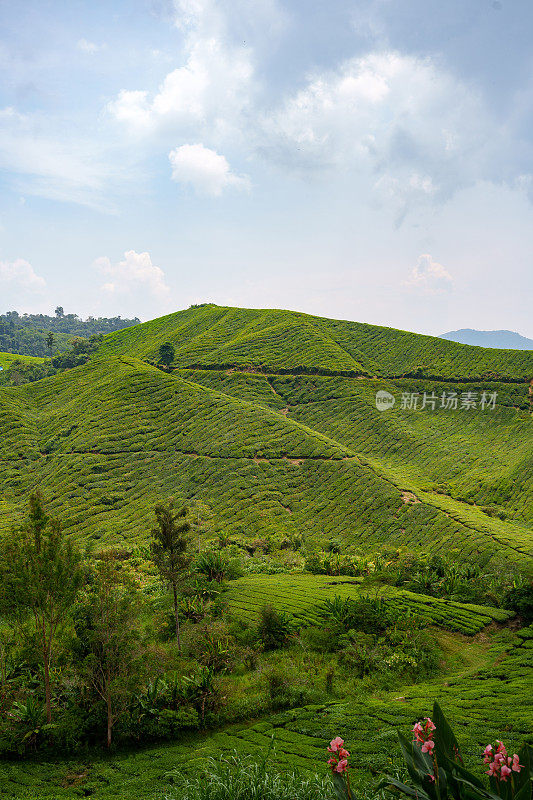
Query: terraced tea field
{"points": [[272, 455], [7, 358], [301, 595], [482, 700], [290, 341], [267, 426]]}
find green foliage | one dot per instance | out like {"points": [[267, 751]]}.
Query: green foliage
{"points": [[217, 566], [441, 773], [20, 372], [520, 600], [366, 614], [110, 656], [167, 354], [237, 777], [275, 628], [168, 550], [78, 353], [29, 334], [41, 573]]}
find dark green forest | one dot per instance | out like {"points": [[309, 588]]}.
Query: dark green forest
{"points": [[27, 334]]}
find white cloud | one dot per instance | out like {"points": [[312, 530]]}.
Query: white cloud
{"points": [[20, 274], [135, 273], [89, 47], [208, 93], [411, 127], [429, 276], [205, 170]]}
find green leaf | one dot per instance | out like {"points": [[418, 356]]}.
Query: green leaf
{"points": [[390, 783], [445, 742], [341, 787]]}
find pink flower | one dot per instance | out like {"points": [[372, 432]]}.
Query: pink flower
{"points": [[499, 758], [335, 744], [332, 762], [487, 754], [343, 753], [516, 764], [431, 778], [501, 747], [493, 769], [341, 766], [418, 731], [428, 746], [429, 726], [505, 771]]}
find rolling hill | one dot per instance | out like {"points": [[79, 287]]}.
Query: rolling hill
{"points": [[267, 424]]}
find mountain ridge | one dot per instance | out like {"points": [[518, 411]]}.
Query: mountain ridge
{"points": [[500, 339]]}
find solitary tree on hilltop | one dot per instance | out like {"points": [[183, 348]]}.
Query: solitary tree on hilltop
{"points": [[59, 312], [41, 572], [168, 550], [166, 354]]}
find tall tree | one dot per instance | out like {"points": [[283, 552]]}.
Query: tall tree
{"points": [[167, 354], [41, 572], [50, 342], [168, 550], [109, 646]]}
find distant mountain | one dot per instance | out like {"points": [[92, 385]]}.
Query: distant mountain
{"points": [[506, 340]]}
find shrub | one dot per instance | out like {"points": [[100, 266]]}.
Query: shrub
{"points": [[216, 566], [366, 614], [275, 628], [520, 600]]}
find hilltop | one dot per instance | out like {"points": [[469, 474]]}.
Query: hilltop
{"points": [[267, 424], [289, 341]]}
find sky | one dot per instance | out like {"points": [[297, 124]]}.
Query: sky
{"points": [[369, 160]]}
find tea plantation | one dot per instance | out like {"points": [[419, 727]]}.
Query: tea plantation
{"points": [[266, 425], [490, 696], [301, 596], [107, 440]]}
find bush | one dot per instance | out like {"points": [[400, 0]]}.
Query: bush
{"points": [[275, 628], [216, 566], [287, 688], [520, 600], [366, 614]]}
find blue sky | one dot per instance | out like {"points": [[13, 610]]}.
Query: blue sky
{"points": [[367, 160]]}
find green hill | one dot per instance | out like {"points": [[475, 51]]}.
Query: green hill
{"points": [[279, 435], [7, 358], [286, 341]]}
